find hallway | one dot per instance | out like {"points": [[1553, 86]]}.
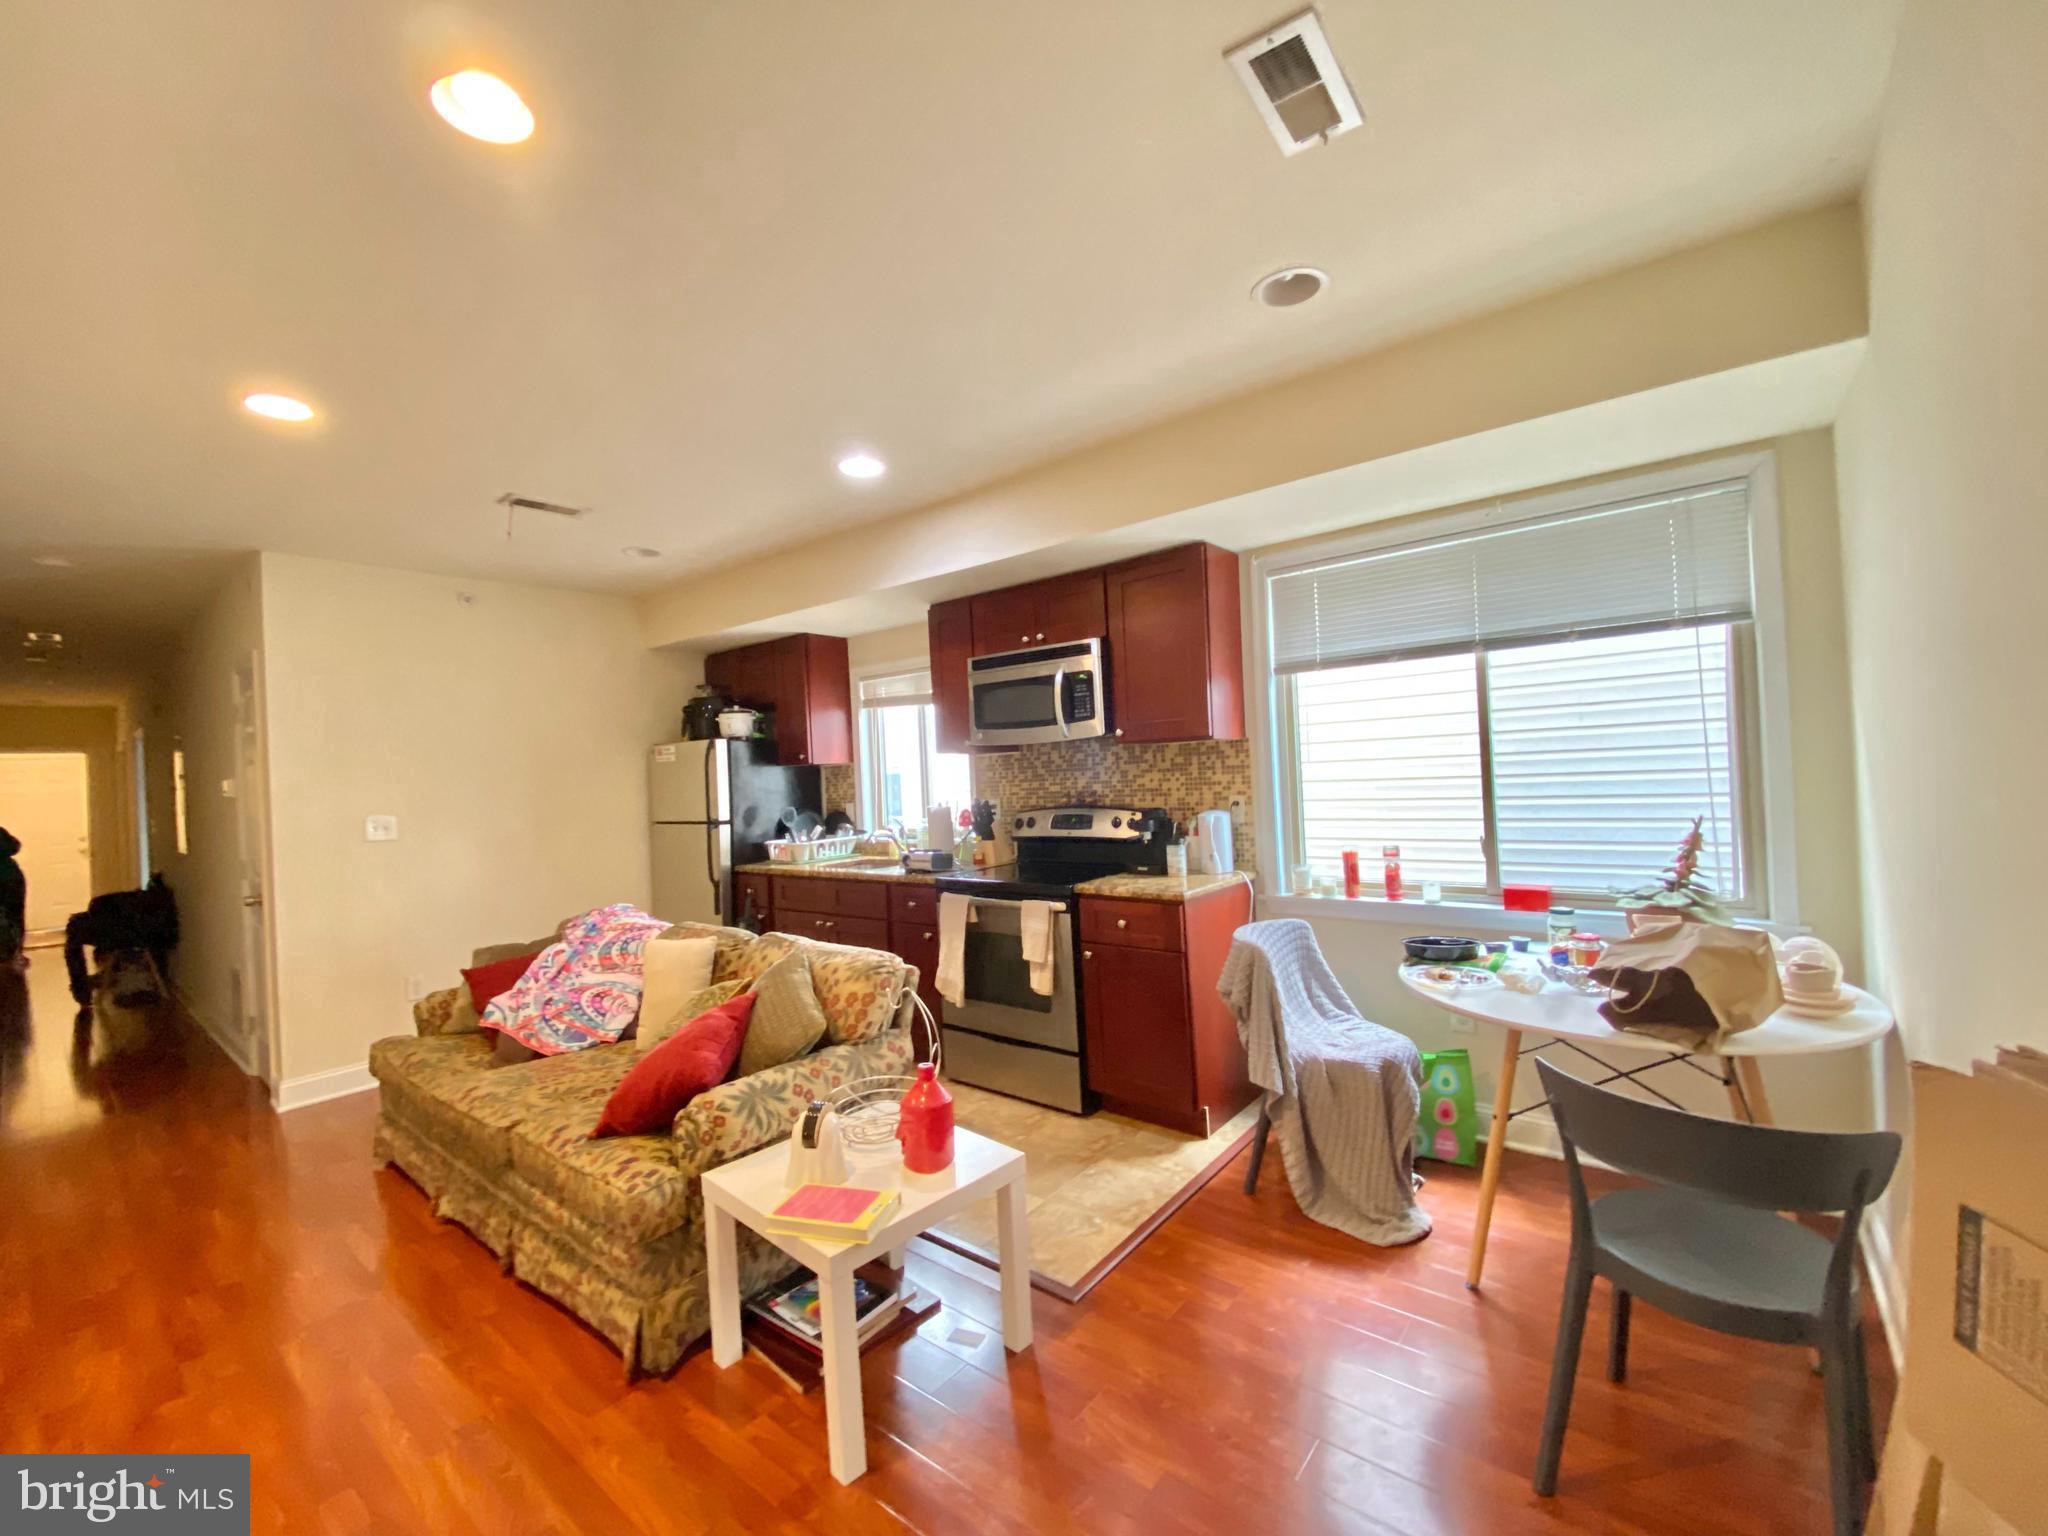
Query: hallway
{"points": [[57, 1077]]}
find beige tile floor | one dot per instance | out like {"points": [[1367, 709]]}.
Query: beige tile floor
{"points": [[1093, 1180]]}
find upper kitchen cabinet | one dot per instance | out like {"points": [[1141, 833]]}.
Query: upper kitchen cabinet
{"points": [[1050, 612], [951, 630], [1176, 661], [805, 681]]}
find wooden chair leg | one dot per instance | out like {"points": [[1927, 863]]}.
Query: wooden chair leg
{"points": [[1564, 1368], [1865, 1443], [1617, 1337], [1844, 1485], [1251, 1172]]}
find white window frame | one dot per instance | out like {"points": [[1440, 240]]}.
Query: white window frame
{"points": [[1770, 776], [867, 750]]}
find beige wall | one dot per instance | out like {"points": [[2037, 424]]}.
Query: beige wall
{"points": [[198, 717], [506, 727], [1788, 287], [1829, 1092], [1944, 467]]}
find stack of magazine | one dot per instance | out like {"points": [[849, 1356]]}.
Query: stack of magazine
{"points": [[785, 1325]]}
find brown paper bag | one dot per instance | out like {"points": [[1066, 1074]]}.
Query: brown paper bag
{"points": [[1692, 983]]}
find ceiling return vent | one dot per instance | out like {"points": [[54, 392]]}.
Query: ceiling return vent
{"points": [[1296, 84]]}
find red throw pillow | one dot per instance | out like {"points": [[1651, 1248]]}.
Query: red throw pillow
{"points": [[695, 1058], [487, 982]]}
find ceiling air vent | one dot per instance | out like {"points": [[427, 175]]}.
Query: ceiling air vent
{"points": [[1296, 84]]}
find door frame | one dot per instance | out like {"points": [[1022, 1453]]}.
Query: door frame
{"points": [[85, 765], [247, 701]]}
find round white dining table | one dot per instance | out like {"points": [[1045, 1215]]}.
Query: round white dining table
{"points": [[1564, 1016]]}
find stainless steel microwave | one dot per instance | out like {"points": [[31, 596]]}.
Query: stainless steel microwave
{"points": [[1046, 693]]}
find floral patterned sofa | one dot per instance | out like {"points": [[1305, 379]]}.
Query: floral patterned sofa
{"points": [[614, 1229]]}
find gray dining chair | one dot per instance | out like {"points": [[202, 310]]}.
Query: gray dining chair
{"points": [[1705, 1242]]}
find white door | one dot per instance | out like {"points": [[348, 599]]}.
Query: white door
{"points": [[46, 801], [252, 977]]}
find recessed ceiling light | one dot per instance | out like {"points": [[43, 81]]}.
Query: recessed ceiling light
{"points": [[1290, 286], [482, 106], [641, 552], [54, 562], [862, 466], [278, 407]]}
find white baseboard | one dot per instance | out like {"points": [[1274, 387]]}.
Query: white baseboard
{"points": [[1887, 1283], [319, 1087], [233, 1047]]}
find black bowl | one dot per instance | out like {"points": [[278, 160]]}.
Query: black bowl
{"points": [[1431, 946]]}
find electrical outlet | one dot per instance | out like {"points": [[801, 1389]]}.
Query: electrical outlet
{"points": [[1237, 807], [1460, 1025], [415, 988], [380, 829]]}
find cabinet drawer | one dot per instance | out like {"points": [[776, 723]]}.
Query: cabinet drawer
{"points": [[914, 904], [860, 898], [1143, 924], [805, 893], [867, 932]]}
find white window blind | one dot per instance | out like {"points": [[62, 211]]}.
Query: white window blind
{"points": [[1650, 562], [1603, 752], [1389, 753], [900, 688]]}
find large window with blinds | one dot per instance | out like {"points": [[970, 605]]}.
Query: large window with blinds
{"points": [[1528, 696], [902, 773]]}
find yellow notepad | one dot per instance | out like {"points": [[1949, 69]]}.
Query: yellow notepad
{"points": [[840, 1213]]}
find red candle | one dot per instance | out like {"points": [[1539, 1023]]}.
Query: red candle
{"points": [[1351, 881]]}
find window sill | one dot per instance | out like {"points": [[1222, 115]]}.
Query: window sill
{"points": [[1477, 918]]}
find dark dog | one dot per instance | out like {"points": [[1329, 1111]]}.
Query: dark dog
{"points": [[144, 920]]}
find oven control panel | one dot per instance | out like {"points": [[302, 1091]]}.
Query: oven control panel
{"points": [[1114, 823]]}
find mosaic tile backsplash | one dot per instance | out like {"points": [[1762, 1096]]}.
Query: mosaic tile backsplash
{"points": [[1183, 776], [842, 791]]}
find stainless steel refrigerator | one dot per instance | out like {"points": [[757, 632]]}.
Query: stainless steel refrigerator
{"points": [[714, 804]]}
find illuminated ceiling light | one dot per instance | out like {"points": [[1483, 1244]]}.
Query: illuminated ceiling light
{"points": [[278, 407], [1290, 286], [862, 466], [482, 106]]}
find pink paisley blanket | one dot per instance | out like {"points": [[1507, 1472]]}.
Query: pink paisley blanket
{"points": [[584, 989]]}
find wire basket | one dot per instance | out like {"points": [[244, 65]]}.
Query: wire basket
{"points": [[868, 1109]]}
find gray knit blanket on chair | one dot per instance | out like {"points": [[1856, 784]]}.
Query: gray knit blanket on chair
{"points": [[1343, 1095]]}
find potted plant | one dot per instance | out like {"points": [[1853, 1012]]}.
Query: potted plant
{"points": [[1680, 892]]}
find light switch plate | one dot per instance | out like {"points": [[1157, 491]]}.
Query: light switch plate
{"points": [[415, 988], [380, 829]]}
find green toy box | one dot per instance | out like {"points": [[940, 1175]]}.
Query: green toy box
{"points": [[1449, 1128]]}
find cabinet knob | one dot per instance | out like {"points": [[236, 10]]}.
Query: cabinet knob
{"points": [[1041, 634], [1123, 922], [927, 938], [1023, 639], [1119, 730], [1087, 954]]}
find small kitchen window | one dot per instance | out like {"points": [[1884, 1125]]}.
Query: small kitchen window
{"points": [[902, 773], [1545, 692]]}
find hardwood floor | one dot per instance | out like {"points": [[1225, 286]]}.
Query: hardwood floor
{"points": [[186, 1271]]}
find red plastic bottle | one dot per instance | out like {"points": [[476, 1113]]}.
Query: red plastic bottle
{"points": [[926, 1125]]}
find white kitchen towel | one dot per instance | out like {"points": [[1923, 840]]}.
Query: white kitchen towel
{"points": [[1034, 927], [955, 913]]}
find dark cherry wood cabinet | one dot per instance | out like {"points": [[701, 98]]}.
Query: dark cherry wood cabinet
{"points": [[1162, 1047], [805, 680], [1049, 612], [1176, 667], [950, 628]]}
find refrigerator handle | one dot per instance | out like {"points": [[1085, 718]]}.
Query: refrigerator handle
{"points": [[711, 870]]}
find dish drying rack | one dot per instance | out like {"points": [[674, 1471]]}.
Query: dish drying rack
{"points": [[817, 850]]}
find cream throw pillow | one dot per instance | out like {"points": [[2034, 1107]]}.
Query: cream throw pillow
{"points": [[672, 971], [786, 1021], [693, 1007]]}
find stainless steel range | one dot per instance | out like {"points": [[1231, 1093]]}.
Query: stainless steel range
{"points": [[1006, 1036]]}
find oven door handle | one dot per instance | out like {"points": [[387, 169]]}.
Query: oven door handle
{"points": [[1059, 700], [1005, 901]]}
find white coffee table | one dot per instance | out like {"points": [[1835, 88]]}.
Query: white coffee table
{"points": [[748, 1189]]}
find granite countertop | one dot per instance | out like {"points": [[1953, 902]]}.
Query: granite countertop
{"points": [[1121, 887], [1161, 887], [887, 871]]}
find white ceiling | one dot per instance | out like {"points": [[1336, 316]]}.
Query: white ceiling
{"points": [[746, 237]]}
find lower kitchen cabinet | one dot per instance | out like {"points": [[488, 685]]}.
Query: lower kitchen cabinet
{"points": [[1162, 1047]]}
